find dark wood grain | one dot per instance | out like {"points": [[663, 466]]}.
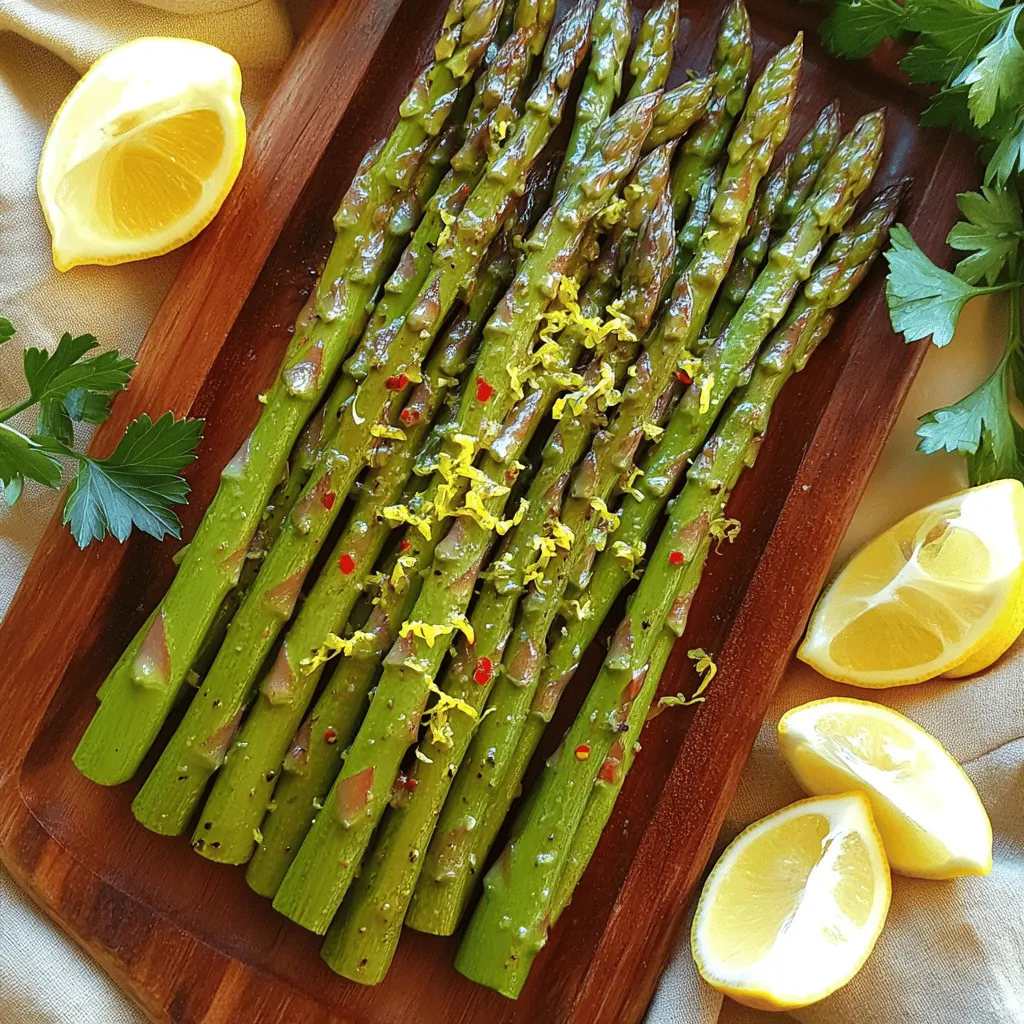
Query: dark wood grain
{"points": [[185, 937]]}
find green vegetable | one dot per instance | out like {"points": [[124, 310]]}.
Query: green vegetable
{"points": [[145, 686], [469, 821], [310, 894], [791, 345], [972, 51], [355, 947], [509, 926], [734, 54], [136, 486], [371, 417]]}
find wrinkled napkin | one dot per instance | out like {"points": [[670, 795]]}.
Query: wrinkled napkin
{"points": [[951, 953]]}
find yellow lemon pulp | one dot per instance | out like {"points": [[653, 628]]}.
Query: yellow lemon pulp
{"points": [[794, 905], [939, 592], [142, 153], [928, 812]]}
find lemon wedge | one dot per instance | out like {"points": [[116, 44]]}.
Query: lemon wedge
{"points": [[929, 814], [794, 905], [941, 592], [142, 152]]}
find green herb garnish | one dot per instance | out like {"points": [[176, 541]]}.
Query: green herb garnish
{"points": [[136, 486], [972, 50]]}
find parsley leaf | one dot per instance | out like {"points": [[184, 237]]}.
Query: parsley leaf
{"points": [[991, 233], [982, 427], [68, 387], [998, 73], [136, 486], [1009, 155], [21, 457], [856, 27], [923, 299], [952, 32], [949, 109], [6, 329]]}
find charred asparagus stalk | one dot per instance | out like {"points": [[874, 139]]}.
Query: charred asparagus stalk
{"points": [[466, 829], [137, 700]]}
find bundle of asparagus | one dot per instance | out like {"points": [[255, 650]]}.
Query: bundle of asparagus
{"points": [[511, 364]]}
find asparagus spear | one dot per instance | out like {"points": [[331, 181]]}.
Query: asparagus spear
{"points": [[610, 34], [785, 192], [137, 700], [467, 828], [315, 884], [311, 767], [734, 446], [734, 53], [197, 749], [652, 55], [236, 806], [840, 184], [808, 161], [363, 939]]}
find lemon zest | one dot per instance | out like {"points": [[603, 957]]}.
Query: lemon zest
{"points": [[630, 555], [332, 646], [604, 514], [612, 213], [723, 529], [393, 433], [404, 514], [628, 487], [651, 430], [706, 387], [398, 572], [446, 232], [436, 717], [602, 391], [581, 611]]}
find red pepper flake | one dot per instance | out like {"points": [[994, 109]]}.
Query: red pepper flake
{"points": [[328, 500], [397, 383], [410, 416], [346, 563], [405, 545], [582, 752], [482, 673], [684, 377], [483, 390], [404, 782], [675, 558], [330, 735]]}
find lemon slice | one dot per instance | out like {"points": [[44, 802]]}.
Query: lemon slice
{"points": [[940, 592], [142, 152], [794, 905], [928, 812]]}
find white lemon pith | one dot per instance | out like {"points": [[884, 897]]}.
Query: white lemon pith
{"points": [[794, 905], [939, 590], [928, 812], [142, 152]]}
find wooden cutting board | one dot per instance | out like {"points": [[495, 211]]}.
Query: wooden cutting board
{"points": [[185, 937]]}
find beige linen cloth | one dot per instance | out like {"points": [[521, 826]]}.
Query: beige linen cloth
{"points": [[952, 952]]}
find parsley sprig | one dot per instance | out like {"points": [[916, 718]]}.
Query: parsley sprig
{"points": [[136, 486], [971, 50]]}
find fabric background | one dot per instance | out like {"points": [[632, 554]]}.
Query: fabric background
{"points": [[951, 952]]}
